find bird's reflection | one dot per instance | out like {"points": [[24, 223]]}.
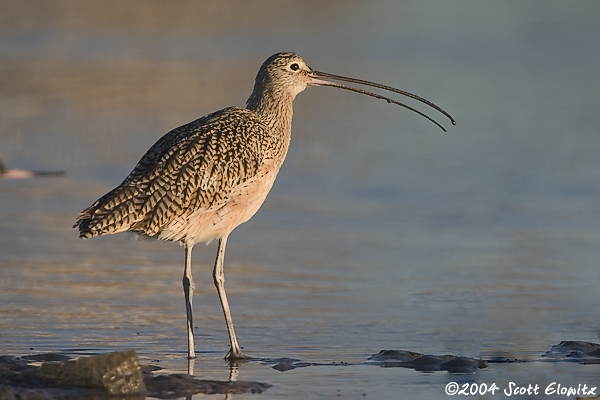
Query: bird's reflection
{"points": [[233, 374], [234, 368]]}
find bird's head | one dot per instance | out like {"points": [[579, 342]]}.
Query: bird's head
{"points": [[283, 75]]}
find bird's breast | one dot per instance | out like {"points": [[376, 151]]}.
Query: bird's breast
{"points": [[243, 202]]}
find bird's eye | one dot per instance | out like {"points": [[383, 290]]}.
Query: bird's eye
{"points": [[294, 67]]}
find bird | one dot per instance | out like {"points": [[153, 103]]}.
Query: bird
{"points": [[200, 181], [25, 174]]}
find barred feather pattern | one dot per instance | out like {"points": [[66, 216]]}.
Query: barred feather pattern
{"points": [[203, 179], [194, 170]]}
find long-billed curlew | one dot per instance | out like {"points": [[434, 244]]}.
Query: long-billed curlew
{"points": [[200, 181]]}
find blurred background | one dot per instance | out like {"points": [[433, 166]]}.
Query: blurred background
{"points": [[381, 231]]}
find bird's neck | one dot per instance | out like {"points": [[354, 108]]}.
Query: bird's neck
{"points": [[275, 108]]}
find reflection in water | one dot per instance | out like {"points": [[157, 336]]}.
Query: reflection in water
{"points": [[191, 362], [233, 375]]}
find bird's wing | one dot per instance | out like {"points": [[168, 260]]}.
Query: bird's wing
{"points": [[193, 168]]}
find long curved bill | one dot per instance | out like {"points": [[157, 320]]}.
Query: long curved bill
{"points": [[316, 81]]}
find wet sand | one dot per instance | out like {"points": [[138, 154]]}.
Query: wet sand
{"points": [[381, 232]]}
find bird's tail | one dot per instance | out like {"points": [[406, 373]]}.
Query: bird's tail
{"points": [[112, 213]]}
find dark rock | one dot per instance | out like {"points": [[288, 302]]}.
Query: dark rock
{"points": [[426, 363], [572, 345], [284, 366], [462, 365], [397, 355], [114, 374], [574, 351]]}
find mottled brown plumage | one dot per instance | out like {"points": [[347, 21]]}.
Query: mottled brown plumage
{"points": [[194, 169], [203, 179], [202, 167]]}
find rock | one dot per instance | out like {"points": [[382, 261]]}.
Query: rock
{"points": [[114, 374], [426, 363], [119, 373]]}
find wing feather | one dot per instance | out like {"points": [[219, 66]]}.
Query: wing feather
{"points": [[193, 168]]}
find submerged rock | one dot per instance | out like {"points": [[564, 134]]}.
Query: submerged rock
{"points": [[574, 351], [426, 363], [462, 365]]}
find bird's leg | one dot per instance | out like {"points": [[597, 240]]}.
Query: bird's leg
{"points": [[235, 353], [188, 292]]}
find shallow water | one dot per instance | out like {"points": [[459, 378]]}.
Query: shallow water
{"points": [[381, 232]]}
